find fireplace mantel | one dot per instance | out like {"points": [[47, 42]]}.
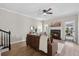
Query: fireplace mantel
{"points": [[57, 28]]}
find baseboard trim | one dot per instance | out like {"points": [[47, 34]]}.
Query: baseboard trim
{"points": [[17, 41]]}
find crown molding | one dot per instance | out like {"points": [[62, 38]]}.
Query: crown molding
{"points": [[15, 12]]}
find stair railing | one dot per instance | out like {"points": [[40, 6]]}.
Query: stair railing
{"points": [[5, 39]]}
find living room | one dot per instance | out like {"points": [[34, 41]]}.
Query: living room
{"points": [[37, 19]]}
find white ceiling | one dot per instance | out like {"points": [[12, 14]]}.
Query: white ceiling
{"points": [[33, 9]]}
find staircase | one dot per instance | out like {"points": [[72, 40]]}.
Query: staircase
{"points": [[4, 40]]}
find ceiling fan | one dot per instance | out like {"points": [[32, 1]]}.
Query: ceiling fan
{"points": [[47, 11]]}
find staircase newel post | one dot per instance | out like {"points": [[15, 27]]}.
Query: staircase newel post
{"points": [[9, 40]]}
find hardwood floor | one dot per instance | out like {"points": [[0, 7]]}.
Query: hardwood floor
{"points": [[20, 49]]}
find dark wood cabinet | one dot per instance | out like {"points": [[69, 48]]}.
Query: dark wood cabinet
{"points": [[33, 41]]}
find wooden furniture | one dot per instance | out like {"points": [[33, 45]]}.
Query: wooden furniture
{"points": [[33, 41]]}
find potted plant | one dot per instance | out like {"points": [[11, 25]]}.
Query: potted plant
{"points": [[67, 31]]}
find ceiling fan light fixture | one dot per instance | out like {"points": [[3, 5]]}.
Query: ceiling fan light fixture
{"points": [[44, 14]]}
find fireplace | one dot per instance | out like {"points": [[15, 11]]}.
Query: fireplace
{"points": [[56, 34]]}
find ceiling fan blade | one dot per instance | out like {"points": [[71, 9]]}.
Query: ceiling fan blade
{"points": [[49, 9], [49, 13]]}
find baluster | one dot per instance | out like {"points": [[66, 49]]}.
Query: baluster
{"points": [[1, 38], [9, 40], [4, 39]]}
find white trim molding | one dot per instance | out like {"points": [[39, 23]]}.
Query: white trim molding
{"points": [[15, 12], [17, 41]]}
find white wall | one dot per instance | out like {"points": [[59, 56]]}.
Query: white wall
{"points": [[18, 25], [64, 19]]}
